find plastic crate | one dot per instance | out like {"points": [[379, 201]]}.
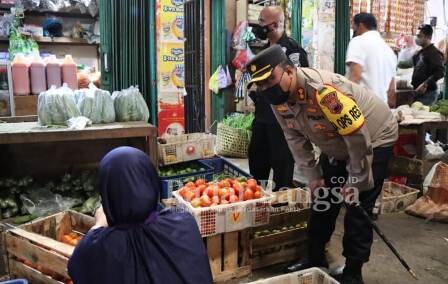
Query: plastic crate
{"points": [[229, 217], [186, 147], [172, 183], [222, 166], [307, 276], [404, 196], [15, 281]]}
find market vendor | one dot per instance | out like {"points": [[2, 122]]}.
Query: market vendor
{"points": [[355, 131], [268, 148], [133, 241]]}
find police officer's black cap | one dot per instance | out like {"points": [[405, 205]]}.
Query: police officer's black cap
{"points": [[261, 66]]}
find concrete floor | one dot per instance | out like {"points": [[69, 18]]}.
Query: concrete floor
{"points": [[424, 245]]}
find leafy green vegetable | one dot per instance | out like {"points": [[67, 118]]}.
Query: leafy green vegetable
{"points": [[239, 121]]}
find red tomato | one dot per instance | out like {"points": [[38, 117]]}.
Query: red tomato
{"points": [[259, 188], [223, 192], [190, 195], [215, 199], [190, 150], [230, 181], [257, 194], [212, 190], [233, 199], [252, 184], [196, 202], [190, 184], [200, 182], [183, 191], [248, 195], [237, 187], [202, 188], [205, 201], [232, 191], [224, 183]]}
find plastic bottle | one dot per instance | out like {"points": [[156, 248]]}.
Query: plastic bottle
{"points": [[69, 72], [38, 76], [53, 72], [20, 75]]}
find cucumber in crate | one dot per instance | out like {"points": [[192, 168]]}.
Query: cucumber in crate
{"points": [[175, 176]]}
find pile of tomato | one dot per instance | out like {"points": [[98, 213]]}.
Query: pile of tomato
{"points": [[209, 194], [71, 239]]}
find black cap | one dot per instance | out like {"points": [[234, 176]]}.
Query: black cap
{"points": [[261, 66], [427, 30]]}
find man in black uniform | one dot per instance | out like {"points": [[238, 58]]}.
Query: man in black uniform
{"points": [[268, 148], [428, 67]]}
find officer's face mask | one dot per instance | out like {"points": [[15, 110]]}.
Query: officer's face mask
{"points": [[261, 32], [275, 95]]}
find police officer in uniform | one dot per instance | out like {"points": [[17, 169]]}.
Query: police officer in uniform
{"points": [[268, 148], [355, 131]]}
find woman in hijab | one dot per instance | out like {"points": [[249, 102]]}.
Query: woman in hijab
{"points": [[133, 241]]}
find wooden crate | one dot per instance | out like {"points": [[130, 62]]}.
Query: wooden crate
{"points": [[290, 208], [38, 244], [25, 105], [228, 255]]}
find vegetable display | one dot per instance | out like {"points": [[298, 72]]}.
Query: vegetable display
{"points": [[209, 194], [79, 188], [239, 121], [441, 107]]}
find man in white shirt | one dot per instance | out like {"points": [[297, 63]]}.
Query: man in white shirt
{"points": [[370, 61]]}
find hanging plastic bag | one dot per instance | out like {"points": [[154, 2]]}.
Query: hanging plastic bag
{"points": [[241, 58], [213, 82], [238, 41]]}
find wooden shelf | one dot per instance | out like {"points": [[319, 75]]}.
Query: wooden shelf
{"points": [[56, 40], [43, 13]]}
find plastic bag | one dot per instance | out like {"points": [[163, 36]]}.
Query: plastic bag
{"points": [[78, 123], [42, 202], [241, 58], [238, 41], [130, 105], [96, 104], [56, 106]]}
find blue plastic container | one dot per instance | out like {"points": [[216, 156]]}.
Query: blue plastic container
{"points": [[172, 183], [15, 281], [221, 166]]}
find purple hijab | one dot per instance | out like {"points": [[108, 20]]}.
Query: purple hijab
{"points": [[142, 243]]}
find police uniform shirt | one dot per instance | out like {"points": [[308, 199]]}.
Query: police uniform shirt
{"points": [[298, 56], [360, 122]]}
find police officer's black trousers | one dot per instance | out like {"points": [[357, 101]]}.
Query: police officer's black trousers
{"points": [[358, 235], [268, 149]]}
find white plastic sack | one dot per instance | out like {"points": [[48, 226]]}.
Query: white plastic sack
{"points": [[130, 105], [96, 104], [56, 106]]}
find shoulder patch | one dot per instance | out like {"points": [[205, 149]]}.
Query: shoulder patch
{"points": [[342, 111], [295, 58]]}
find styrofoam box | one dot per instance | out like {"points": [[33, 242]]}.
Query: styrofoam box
{"points": [[229, 217]]}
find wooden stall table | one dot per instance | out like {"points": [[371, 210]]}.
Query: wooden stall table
{"points": [[26, 148]]}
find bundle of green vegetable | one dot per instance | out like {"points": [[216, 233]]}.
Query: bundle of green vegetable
{"points": [[239, 121], [441, 107], [56, 106]]}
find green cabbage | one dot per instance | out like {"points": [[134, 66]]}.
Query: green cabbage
{"points": [[130, 105]]}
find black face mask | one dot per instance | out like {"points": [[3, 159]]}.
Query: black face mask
{"points": [[275, 95], [261, 32]]}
